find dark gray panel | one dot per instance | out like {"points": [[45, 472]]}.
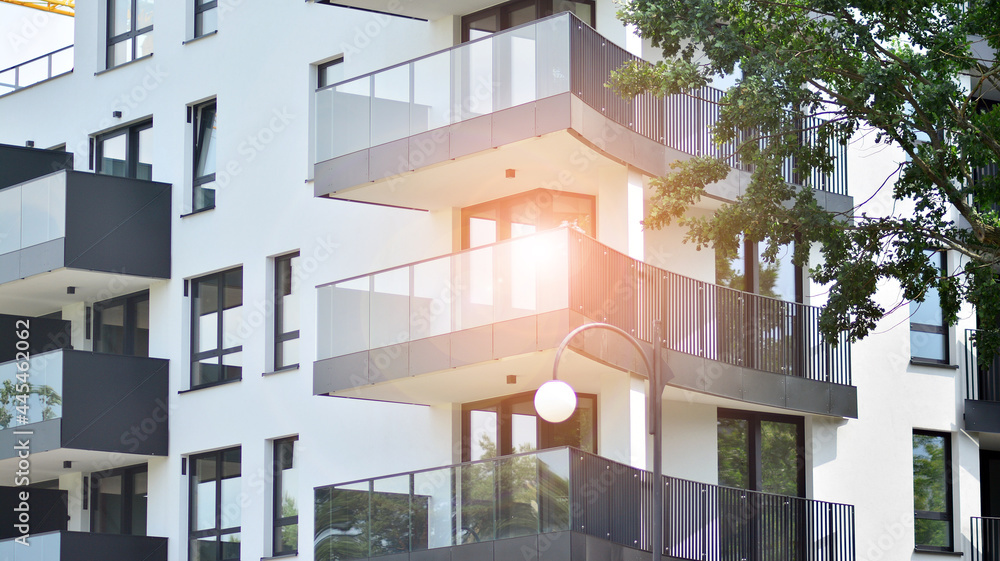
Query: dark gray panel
{"points": [[340, 373], [803, 394], [618, 141], [47, 509], [844, 401], [10, 266], [552, 329], [598, 550], [982, 416], [46, 436], [688, 370], [43, 335], [471, 346], [387, 160], [115, 403], [394, 557], [763, 387], [81, 546], [341, 173], [516, 549], [469, 137], [553, 114], [555, 546], [430, 354], [430, 148], [388, 363], [649, 155], [513, 124], [515, 337], [43, 257], [472, 552], [117, 225], [19, 164], [833, 202]]}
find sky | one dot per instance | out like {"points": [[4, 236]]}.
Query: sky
{"points": [[26, 33]]}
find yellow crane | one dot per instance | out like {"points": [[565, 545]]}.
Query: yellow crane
{"points": [[62, 7]]}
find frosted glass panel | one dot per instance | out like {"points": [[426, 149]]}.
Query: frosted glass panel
{"points": [[350, 117], [433, 296], [431, 100], [348, 318], [391, 105], [43, 210], [44, 400], [515, 53], [10, 220], [391, 306]]}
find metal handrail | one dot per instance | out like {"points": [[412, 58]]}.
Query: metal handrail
{"points": [[17, 70]]}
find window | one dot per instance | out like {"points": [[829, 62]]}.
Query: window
{"points": [[928, 332], [215, 510], [204, 156], [749, 272], [118, 499], [217, 310], [206, 17], [331, 72], [500, 427], [286, 312], [121, 325], [130, 30], [762, 452], [524, 214], [286, 511], [518, 12], [932, 490], [127, 152]]}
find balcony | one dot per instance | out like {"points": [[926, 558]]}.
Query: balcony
{"points": [[80, 236], [567, 505], [37, 70], [425, 9], [536, 93], [441, 330], [84, 546], [83, 405], [982, 389], [985, 538]]}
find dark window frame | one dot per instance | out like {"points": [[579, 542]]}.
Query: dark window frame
{"points": [[281, 336], [219, 351], [200, 9], [754, 419], [130, 303], [543, 8], [941, 329], [133, 33], [284, 453], [200, 133], [503, 409], [321, 70], [948, 515], [128, 489], [131, 133], [218, 532]]}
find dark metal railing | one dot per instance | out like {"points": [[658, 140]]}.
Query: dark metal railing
{"points": [[985, 538], [704, 319], [566, 489], [681, 121], [36, 70], [982, 382]]}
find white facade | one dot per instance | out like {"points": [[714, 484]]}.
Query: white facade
{"points": [[261, 69]]}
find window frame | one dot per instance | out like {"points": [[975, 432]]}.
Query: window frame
{"points": [[321, 70], [219, 351], [132, 34], [279, 465], [754, 419], [197, 182], [217, 531], [948, 515], [281, 336], [130, 303], [131, 133], [545, 216], [128, 489], [543, 8], [199, 10], [943, 329]]}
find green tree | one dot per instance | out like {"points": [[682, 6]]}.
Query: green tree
{"points": [[912, 73]]}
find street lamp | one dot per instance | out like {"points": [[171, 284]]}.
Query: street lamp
{"points": [[555, 402]]}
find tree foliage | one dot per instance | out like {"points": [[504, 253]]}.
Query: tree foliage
{"points": [[912, 73]]}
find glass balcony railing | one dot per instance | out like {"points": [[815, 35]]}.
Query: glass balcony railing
{"points": [[42, 387], [564, 489], [39, 69], [528, 63], [32, 213], [563, 269], [42, 547]]}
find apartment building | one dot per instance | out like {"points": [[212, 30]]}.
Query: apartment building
{"points": [[285, 276]]}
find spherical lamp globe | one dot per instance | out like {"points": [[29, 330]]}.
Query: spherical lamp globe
{"points": [[555, 401]]}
